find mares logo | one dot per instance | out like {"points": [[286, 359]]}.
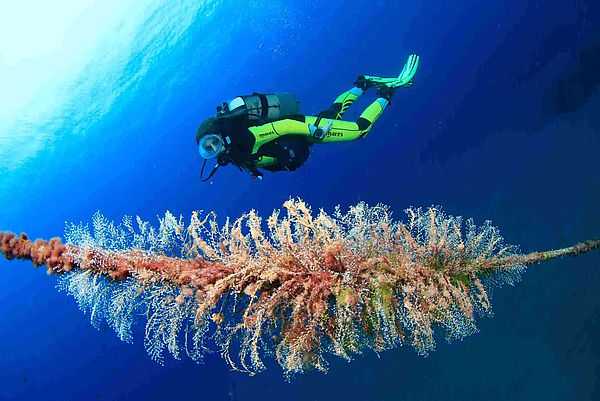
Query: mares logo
{"points": [[266, 134], [334, 134]]}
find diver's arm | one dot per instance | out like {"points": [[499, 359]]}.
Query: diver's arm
{"points": [[290, 127]]}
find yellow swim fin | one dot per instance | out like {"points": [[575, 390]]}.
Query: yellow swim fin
{"points": [[404, 79]]}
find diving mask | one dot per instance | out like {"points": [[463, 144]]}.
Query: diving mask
{"points": [[210, 146]]}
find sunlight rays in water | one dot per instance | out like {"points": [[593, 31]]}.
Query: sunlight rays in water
{"points": [[82, 59]]}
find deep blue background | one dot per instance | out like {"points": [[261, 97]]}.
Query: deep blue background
{"points": [[502, 124]]}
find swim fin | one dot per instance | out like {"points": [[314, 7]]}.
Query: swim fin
{"points": [[404, 79]]}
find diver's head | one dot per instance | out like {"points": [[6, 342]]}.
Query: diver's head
{"points": [[210, 145], [209, 139], [208, 126]]}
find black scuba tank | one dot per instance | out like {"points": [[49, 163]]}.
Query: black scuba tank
{"points": [[260, 107]]}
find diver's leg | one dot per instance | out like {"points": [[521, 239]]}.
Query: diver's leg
{"points": [[343, 102], [346, 99], [386, 88], [344, 131], [370, 115]]}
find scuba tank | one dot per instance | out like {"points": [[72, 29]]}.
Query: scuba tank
{"points": [[259, 108]]}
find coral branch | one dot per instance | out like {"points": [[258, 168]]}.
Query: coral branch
{"points": [[60, 258], [39, 252], [310, 285]]}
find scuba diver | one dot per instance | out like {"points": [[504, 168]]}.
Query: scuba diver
{"points": [[267, 131]]}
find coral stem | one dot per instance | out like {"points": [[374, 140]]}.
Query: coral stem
{"points": [[537, 257]]}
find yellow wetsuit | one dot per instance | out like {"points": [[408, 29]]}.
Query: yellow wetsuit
{"points": [[340, 131]]}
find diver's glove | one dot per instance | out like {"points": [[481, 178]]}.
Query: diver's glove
{"points": [[320, 132]]}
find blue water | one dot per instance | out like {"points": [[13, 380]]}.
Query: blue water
{"points": [[501, 124]]}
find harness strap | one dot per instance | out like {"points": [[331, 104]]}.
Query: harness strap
{"points": [[264, 106], [319, 118]]}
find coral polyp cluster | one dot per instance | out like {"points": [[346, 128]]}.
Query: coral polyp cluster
{"points": [[297, 287]]}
